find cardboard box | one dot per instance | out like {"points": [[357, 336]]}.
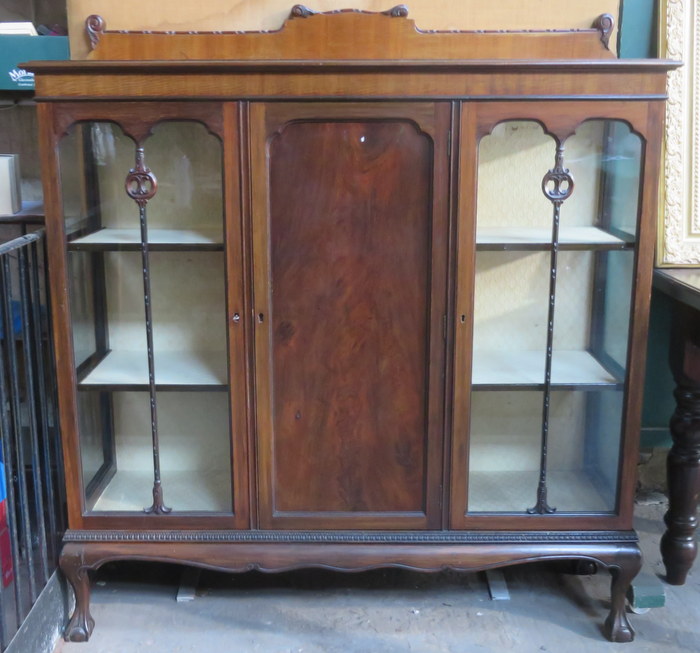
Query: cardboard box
{"points": [[15, 48], [10, 189]]}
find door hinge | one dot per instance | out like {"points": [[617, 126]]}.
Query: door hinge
{"points": [[444, 327], [449, 143]]}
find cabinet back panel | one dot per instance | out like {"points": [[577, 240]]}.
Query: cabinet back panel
{"points": [[350, 221]]}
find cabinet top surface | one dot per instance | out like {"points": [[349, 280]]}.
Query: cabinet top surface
{"points": [[351, 54]]}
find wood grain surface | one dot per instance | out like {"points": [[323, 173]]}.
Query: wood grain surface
{"points": [[350, 314], [271, 14]]}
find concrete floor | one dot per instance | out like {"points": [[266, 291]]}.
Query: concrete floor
{"points": [[385, 611]]}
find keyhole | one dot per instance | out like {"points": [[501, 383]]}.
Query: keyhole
{"points": [[462, 318], [261, 317]]}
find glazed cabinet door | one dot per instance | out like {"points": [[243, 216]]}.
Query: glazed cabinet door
{"points": [[146, 241], [350, 242], [553, 280]]}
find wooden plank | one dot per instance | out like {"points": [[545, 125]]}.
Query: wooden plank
{"points": [[270, 15]]}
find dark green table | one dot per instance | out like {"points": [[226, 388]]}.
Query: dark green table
{"points": [[678, 544]]}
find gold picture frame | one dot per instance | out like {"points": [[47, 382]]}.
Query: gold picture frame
{"points": [[679, 214]]}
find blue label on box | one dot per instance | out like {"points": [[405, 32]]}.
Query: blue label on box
{"points": [[16, 48], [22, 78]]}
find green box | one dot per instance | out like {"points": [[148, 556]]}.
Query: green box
{"points": [[15, 48]]}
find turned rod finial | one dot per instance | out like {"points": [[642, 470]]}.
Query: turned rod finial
{"points": [[95, 27], [605, 24]]}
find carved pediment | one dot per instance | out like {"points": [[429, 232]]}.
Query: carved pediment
{"points": [[349, 34]]}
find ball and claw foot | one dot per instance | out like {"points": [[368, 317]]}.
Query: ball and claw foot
{"points": [[617, 628], [79, 628], [81, 623]]}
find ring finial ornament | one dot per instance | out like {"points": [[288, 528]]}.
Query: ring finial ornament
{"points": [[140, 184]]}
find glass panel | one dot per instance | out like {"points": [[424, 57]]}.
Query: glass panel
{"points": [[95, 429], [578, 288], [504, 456], [604, 158], [510, 317], [91, 159], [583, 157], [584, 450], [81, 295], [194, 280], [188, 162], [94, 161], [579, 414], [592, 312], [185, 270], [511, 209], [195, 450], [128, 482], [512, 281], [611, 324]]}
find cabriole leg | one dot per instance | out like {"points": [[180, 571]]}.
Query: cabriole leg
{"points": [[81, 623], [617, 627]]}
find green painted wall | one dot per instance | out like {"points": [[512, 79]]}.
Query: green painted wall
{"points": [[638, 26]]}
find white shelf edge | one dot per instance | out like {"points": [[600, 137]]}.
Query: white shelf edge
{"points": [[543, 236], [108, 236], [130, 368], [523, 368]]}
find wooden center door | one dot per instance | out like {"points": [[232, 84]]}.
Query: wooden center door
{"points": [[350, 246]]}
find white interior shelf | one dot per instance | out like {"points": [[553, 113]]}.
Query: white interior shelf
{"points": [[509, 368], [516, 491], [178, 237], [524, 236], [191, 490], [130, 368]]}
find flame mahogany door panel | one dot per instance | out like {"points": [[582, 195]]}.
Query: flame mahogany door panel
{"points": [[349, 213]]}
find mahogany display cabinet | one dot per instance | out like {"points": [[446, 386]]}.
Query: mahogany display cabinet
{"points": [[351, 295]]}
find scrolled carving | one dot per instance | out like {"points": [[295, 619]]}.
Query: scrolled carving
{"points": [[399, 11], [605, 24], [95, 27], [141, 184], [300, 11]]}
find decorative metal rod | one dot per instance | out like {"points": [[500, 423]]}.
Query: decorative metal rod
{"points": [[141, 186], [31, 349], [557, 185], [10, 422]]}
